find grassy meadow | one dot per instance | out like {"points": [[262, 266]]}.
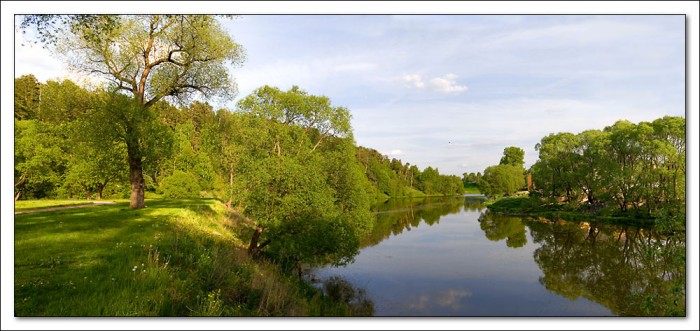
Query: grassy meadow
{"points": [[173, 258]]}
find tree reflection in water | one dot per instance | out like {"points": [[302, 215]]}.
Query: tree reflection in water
{"points": [[632, 271], [497, 227], [396, 215]]}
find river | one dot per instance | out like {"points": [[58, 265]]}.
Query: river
{"points": [[452, 257]]}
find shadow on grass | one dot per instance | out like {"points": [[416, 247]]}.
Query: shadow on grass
{"points": [[109, 260]]}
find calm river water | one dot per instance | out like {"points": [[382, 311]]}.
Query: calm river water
{"points": [[451, 257]]}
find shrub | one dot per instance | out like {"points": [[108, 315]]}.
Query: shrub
{"points": [[180, 185]]}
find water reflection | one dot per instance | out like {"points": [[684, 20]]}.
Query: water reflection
{"points": [[477, 263], [396, 215], [497, 227], [632, 271]]}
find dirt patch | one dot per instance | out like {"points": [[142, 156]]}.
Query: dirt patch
{"points": [[93, 204]]}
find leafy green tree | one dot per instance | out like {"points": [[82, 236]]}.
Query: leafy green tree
{"points": [[428, 181], [637, 167], [63, 101], [589, 172], [513, 156], [150, 57], [27, 97], [180, 185], [669, 165], [552, 173], [93, 166], [300, 184], [500, 180], [623, 169], [39, 159]]}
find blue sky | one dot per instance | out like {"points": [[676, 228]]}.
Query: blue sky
{"points": [[452, 91]]}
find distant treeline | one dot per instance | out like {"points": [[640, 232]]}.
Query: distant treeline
{"points": [[393, 178]]}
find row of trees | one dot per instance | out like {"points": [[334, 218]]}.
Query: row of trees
{"points": [[393, 178], [638, 167], [285, 158]]}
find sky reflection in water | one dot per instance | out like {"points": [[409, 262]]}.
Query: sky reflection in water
{"points": [[459, 266]]}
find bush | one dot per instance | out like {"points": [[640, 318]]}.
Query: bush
{"points": [[180, 185]]}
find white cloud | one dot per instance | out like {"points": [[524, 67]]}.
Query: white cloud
{"points": [[444, 84], [414, 80], [396, 152]]}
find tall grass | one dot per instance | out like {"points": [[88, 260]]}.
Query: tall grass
{"points": [[173, 258]]}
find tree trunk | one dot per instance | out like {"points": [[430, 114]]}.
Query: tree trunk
{"points": [[87, 193], [254, 248], [229, 204], [135, 174], [17, 195]]}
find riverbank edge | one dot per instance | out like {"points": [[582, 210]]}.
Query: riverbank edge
{"points": [[202, 227], [524, 206]]}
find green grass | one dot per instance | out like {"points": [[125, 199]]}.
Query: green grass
{"points": [[173, 258], [21, 205], [413, 193], [471, 189]]}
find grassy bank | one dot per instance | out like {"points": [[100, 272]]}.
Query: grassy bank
{"points": [[471, 189], [528, 206], [173, 258]]}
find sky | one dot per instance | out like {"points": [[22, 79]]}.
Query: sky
{"points": [[447, 91], [452, 91]]}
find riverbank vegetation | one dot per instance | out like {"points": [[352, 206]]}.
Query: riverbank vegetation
{"points": [[172, 258], [626, 171]]}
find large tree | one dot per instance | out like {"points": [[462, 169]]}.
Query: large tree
{"points": [[514, 156], [500, 180], [150, 57], [301, 185]]}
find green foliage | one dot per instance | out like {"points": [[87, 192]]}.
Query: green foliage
{"points": [[393, 178], [587, 259], [514, 156], [340, 290], [298, 177], [63, 101], [39, 159], [27, 97], [314, 241], [180, 185], [501, 180], [178, 56], [636, 169], [498, 227]]}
